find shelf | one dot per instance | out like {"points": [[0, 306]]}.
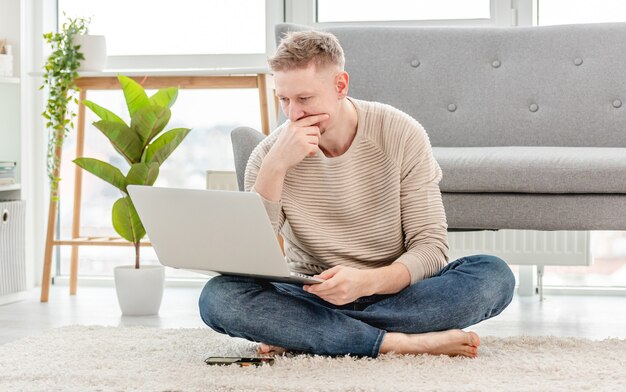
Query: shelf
{"points": [[138, 72], [99, 241], [10, 187], [9, 80]]}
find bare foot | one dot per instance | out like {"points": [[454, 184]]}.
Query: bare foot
{"points": [[454, 342], [266, 349]]}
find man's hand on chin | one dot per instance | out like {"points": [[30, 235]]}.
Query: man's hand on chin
{"points": [[342, 285]]}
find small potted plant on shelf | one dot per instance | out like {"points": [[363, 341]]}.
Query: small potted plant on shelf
{"points": [[144, 145], [94, 50]]}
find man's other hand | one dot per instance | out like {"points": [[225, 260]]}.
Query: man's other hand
{"points": [[342, 285]]}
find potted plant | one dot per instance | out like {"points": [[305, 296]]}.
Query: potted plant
{"points": [[94, 50], [145, 146], [60, 72]]}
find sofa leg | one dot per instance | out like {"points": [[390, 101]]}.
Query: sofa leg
{"points": [[531, 281], [540, 282]]}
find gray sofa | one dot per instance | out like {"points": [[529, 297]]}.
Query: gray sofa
{"points": [[527, 123]]}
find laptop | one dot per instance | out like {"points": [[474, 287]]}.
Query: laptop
{"points": [[211, 231]]}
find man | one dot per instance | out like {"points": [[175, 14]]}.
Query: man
{"points": [[354, 189]]}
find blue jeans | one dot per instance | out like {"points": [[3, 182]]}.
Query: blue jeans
{"points": [[463, 293]]}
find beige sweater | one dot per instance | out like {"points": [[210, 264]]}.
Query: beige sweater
{"points": [[376, 204]]}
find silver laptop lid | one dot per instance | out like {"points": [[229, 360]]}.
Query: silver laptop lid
{"points": [[206, 230]]}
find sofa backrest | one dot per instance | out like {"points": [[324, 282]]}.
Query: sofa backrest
{"points": [[495, 86]]}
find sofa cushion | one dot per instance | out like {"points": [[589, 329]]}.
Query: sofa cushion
{"points": [[524, 211], [532, 169]]}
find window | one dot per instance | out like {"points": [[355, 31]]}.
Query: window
{"points": [[555, 12], [400, 10], [181, 27]]}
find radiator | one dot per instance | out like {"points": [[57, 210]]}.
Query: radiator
{"points": [[521, 247], [525, 247], [12, 250]]}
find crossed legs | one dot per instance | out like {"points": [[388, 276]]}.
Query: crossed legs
{"points": [[426, 317]]}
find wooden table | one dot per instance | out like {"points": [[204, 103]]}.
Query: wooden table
{"points": [[184, 79]]}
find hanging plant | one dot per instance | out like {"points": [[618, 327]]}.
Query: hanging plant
{"points": [[59, 76]]}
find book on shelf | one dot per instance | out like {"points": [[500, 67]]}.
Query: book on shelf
{"points": [[7, 166], [7, 173]]}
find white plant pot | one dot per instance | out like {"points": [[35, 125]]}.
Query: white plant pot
{"points": [[94, 48], [139, 291]]}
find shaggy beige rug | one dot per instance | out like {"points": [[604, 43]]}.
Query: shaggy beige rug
{"points": [[94, 358]]}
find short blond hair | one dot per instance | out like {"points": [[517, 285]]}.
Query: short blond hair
{"points": [[299, 49]]}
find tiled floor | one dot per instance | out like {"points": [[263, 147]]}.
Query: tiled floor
{"points": [[595, 317]]}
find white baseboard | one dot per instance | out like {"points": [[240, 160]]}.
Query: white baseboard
{"points": [[107, 281], [14, 297], [588, 291]]}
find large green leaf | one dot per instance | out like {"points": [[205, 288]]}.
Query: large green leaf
{"points": [[148, 122], [103, 113], [136, 97], [164, 97], [125, 141], [142, 174], [104, 170], [126, 221], [161, 148]]}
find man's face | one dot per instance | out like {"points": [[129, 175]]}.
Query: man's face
{"points": [[309, 91]]}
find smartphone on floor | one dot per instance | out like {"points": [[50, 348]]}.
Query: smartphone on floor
{"points": [[241, 361]]}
